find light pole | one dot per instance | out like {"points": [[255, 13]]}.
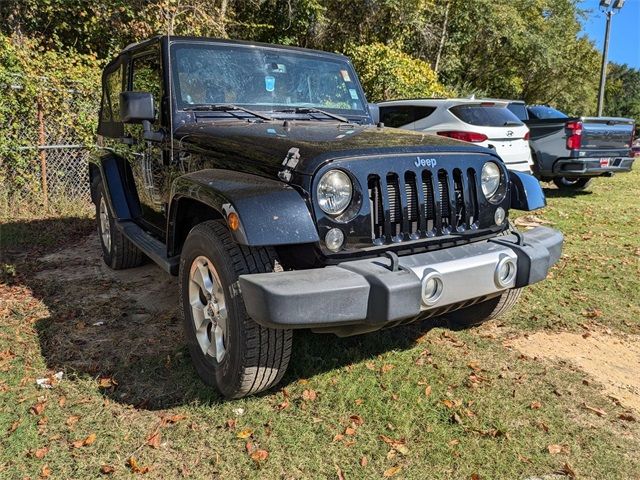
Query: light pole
{"points": [[609, 8]]}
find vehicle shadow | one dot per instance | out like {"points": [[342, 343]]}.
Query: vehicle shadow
{"points": [[557, 193], [122, 329]]}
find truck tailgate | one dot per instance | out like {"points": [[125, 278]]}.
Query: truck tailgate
{"points": [[606, 133]]}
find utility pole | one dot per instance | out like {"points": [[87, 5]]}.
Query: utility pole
{"points": [[609, 12]]}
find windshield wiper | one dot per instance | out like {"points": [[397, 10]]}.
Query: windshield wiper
{"points": [[511, 123], [315, 110], [227, 107]]}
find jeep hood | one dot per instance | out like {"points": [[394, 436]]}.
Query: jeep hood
{"points": [[266, 145]]}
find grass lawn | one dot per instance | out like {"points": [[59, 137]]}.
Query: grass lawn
{"points": [[414, 402]]}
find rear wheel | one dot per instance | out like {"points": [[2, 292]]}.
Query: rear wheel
{"points": [[572, 183], [487, 310], [118, 252], [229, 350]]}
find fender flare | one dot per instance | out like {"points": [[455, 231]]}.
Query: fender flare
{"points": [[526, 192], [270, 212], [111, 169]]}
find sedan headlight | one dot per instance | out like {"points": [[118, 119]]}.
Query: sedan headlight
{"points": [[334, 192], [490, 179]]}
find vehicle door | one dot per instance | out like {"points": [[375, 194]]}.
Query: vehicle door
{"points": [[148, 157]]}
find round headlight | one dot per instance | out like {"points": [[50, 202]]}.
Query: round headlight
{"points": [[490, 179], [334, 192]]}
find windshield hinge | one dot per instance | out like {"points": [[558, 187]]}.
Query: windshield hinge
{"points": [[289, 164]]}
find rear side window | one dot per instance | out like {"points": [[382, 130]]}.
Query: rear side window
{"points": [[402, 115], [519, 110], [542, 112], [485, 115]]}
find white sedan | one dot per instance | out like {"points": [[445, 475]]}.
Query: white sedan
{"points": [[487, 123]]}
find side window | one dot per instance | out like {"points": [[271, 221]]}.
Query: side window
{"points": [[146, 77], [403, 115], [396, 117]]}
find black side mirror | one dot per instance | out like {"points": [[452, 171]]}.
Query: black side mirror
{"points": [[137, 107], [374, 110]]}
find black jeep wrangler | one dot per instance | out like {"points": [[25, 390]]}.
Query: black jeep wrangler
{"points": [[258, 175]]}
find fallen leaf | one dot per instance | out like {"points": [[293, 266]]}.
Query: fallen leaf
{"points": [[259, 455], [568, 470], [231, 423], [454, 442], [45, 472], [356, 419], [390, 472], [107, 469], [475, 476], [358, 401], [135, 467], [455, 418], [309, 395], [284, 405], [173, 419], [475, 366], [387, 368], [13, 426], [72, 420], [339, 473], [350, 431], [62, 401], [41, 452], [535, 405], [338, 437], [85, 442], [38, 408], [591, 312], [364, 462], [627, 417], [246, 433], [597, 411], [107, 382], [154, 440], [448, 403], [554, 449]]}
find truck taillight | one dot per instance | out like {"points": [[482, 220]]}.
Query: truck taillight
{"points": [[574, 139], [465, 136]]}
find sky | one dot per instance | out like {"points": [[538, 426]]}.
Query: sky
{"points": [[624, 43]]}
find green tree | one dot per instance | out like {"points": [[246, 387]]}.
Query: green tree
{"points": [[386, 73], [622, 94]]}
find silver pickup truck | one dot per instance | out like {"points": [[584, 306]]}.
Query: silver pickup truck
{"points": [[571, 151]]}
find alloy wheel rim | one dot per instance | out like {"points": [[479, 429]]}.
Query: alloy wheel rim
{"points": [[105, 226], [208, 308]]}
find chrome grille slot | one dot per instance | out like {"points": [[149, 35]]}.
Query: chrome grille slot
{"points": [[413, 204]]}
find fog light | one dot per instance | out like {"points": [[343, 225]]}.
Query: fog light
{"points": [[432, 288], [505, 272], [334, 239], [499, 216]]}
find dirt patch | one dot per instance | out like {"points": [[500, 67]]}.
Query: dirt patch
{"points": [[122, 324], [611, 360]]}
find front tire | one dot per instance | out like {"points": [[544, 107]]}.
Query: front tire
{"points": [[118, 252], [484, 311], [572, 184], [230, 351]]}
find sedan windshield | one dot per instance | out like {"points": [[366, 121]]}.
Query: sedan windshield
{"points": [[264, 79]]}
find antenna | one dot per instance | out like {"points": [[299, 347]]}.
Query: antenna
{"points": [[170, 83]]}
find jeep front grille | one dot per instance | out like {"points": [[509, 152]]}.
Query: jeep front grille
{"points": [[416, 205]]}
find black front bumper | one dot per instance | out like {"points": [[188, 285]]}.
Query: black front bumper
{"points": [[592, 167], [375, 292]]}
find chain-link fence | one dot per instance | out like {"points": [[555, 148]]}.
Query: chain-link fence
{"points": [[49, 146]]}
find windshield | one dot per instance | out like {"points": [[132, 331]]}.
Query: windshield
{"points": [[485, 115], [263, 79], [542, 112]]}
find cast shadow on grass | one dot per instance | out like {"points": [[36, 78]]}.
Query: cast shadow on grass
{"points": [[124, 326], [557, 193]]}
